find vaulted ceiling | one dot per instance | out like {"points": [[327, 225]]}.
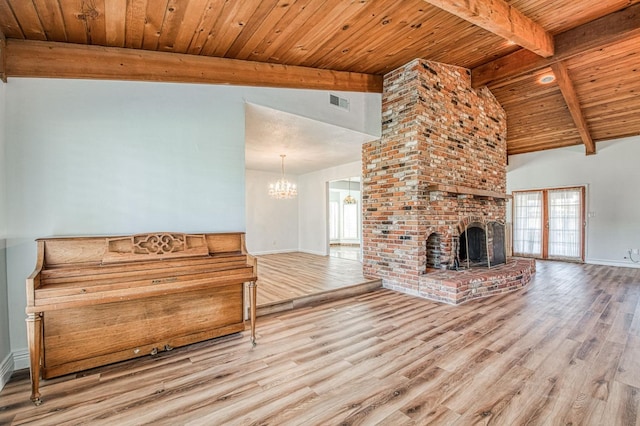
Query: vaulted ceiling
{"points": [[590, 48]]}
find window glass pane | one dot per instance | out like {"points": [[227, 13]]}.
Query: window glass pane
{"points": [[565, 220], [334, 220], [350, 221], [527, 223]]}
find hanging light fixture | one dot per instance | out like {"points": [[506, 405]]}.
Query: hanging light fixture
{"points": [[283, 189], [349, 199]]}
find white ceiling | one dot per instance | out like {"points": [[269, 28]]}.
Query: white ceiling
{"points": [[309, 145]]}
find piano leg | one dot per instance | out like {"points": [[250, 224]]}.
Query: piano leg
{"points": [[34, 336], [253, 286]]}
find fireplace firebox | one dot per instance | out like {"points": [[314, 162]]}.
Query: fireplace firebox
{"points": [[481, 246], [473, 246]]}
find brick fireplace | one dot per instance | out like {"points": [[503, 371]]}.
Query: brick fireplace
{"points": [[434, 188]]}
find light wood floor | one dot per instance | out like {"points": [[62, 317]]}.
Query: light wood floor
{"points": [[566, 350], [285, 276]]}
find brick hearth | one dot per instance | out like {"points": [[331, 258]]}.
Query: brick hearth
{"points": [[457, 287], [439, 166]]}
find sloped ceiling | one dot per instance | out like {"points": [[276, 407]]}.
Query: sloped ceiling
{"points": [[309, 145]]}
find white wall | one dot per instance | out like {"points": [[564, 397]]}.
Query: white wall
{"points": [[6, 361], [612, 177], [363, 115], [301, 224], [272, 225], [110, 157], [312, 205], [99, 157]]}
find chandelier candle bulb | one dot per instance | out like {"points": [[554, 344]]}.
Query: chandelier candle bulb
{"points": [[283, 189]]}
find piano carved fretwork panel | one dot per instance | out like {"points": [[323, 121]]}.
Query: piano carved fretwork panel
{"points": [[158, 243], [142, 247]]}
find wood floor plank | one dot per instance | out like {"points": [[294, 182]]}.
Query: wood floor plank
{"points": [[493, 407], [603, 372], [629, 367], [596, 341], [582, 410], [622, 407], [482, 378], [285, 276], [562, 351]]}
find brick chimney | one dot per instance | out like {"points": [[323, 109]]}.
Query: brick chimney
{"points": [[439, 167]]}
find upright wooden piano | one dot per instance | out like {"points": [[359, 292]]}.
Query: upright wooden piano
{"points": [[92, 301]]}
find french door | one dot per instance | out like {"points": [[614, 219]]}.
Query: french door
{"points": [[549, 223]]}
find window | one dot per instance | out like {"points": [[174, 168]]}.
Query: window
{"points": [[549, 223], [527, 224], [334, 220], [350, 221], [344, 211], [565, 223]]}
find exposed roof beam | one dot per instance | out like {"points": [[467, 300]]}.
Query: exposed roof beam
{"points": [[498, 17], [596, 34], [64, 60], [571, 98]]}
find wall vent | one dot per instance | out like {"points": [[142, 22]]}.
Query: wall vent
{"points": [[339, 102]]}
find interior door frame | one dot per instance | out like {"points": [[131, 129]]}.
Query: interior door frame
{"points": [[545, 220]]}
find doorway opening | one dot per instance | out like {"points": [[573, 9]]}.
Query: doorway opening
{"points": [[345, 218]]}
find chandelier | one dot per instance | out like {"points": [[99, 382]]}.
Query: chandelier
{"points": [[283, 189], [349, 199]]}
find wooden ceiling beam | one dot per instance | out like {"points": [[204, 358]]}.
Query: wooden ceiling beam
{"points": [[573, 103], [596, 34], [65, 60], [500, 18]]}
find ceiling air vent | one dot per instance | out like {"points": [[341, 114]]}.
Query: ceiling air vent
{"points": [[339, 102]]}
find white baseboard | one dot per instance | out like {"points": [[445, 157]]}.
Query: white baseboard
{"points": [[6, 370], [260, 253], [319, 253], [606, 262], [21, 359]]}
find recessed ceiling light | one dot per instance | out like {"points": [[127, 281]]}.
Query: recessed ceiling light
{"points": [[547, 78]]}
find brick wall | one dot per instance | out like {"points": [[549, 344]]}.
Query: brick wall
{"points": [[436, 129]]}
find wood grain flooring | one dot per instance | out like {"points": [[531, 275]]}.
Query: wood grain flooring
{"points": [[565, 350], [286, 276]]}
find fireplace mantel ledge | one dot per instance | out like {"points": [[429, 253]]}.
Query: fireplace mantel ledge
{"points": [[464, 190]]}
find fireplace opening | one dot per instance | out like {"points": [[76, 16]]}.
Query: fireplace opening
{"points": [[434, 251], [473, 247], [481, 246]]}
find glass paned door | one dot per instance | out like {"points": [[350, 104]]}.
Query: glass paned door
{"points": [[565, 223], [527, 224], [549, 223]]}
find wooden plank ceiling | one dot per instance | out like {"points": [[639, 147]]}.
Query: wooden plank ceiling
{"points": [[592, 47]]}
